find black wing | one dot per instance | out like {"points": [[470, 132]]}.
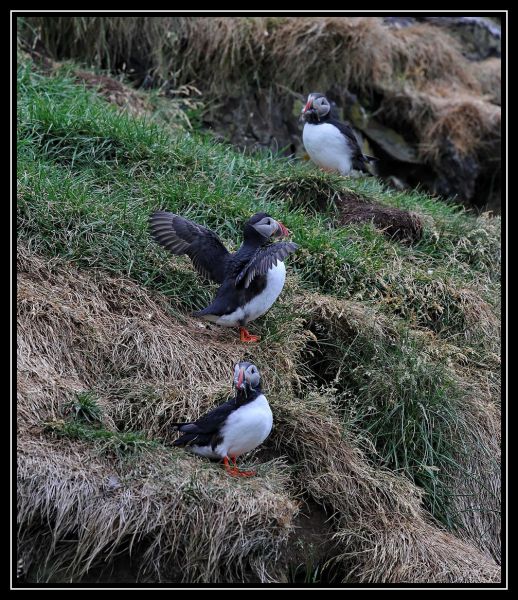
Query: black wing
{"points": [[202, 246], [264, 259], [359, 159], [205, 427]]}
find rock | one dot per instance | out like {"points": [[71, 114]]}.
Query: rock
{"points": [[399, 22], [480, 37], [256, 121], [457, 174], [393, 143]]}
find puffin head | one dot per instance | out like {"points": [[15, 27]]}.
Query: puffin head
{"points": [[317, 106], [265, 226], [246, 376]]}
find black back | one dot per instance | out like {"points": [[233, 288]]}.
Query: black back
{"points": [[206, 431]]}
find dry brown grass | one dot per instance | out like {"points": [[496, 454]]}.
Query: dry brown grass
{"points": [[489, 75], [76, 333], [185, 517], [383, 535], [79, 331], [115, 92], [478, 495]]}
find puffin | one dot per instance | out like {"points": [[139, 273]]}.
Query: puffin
{"points": [[250, 280], [235, 427], [331, 145]]}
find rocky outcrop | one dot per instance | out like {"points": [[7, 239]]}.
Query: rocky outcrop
{"points": [[480, 37]]}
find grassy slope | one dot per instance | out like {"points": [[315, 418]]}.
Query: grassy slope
{"points": [[417, 383]]}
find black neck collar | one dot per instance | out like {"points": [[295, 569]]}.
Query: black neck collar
{"points": [[253, 238], [311, 116], [248, 394]]}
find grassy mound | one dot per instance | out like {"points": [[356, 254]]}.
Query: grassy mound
{"points": [[380, 362]]}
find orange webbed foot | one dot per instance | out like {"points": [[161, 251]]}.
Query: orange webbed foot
{"points": [[247, 337], [234, 471], [245, 473]]}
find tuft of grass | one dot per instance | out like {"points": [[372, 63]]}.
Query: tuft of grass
{"points": [[309, 189], [85, 408], [396, 391], [119, 444]]}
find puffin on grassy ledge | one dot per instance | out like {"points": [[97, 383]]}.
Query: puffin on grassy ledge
{"points": [[331, 145], [250, 279], [233, 428]]}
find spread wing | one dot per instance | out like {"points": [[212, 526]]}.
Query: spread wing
{"points": [[202, 246], [264, 259]]}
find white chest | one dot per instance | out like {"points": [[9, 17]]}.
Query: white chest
{"points": [[327, 147], [246, 428], [260, 304]]}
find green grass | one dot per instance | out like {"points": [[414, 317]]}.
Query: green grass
{"points": [[89, 176], [109, 442], [84, 408], [412, 414], [83, 420]]}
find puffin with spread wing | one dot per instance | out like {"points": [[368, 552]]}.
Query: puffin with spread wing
{"points": [[250, 279]]}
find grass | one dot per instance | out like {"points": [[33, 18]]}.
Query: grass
{"points": [[98, 167], [381, 341], [109, 442], [84, 408], [84, 421]]}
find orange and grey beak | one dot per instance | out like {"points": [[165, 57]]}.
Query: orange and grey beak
{"points": [[240, 378], [283, 231], [309, 104]]}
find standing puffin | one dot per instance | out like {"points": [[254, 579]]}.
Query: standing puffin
{"points": [[233, 428], [250, 280], [330, 144]]}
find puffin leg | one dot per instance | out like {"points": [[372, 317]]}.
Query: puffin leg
{"points": [[228, 469], [245, 336], [238, 473], [233, 471]]}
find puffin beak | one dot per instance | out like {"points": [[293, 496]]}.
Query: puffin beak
{"points": [[283, 231], [240, 378], [309, 104]]}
